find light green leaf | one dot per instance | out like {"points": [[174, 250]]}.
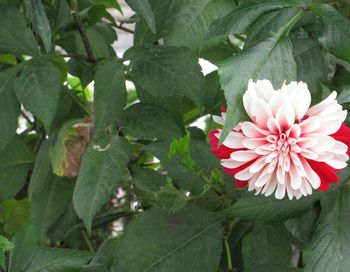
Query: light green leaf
{"points": [[15, 37], [143, 8], [38, 89], [9, 108], [100, 173], [57, 259], [5, 245], [186, 241], [266, 209], [270, 59], [329, 249], [27, 242], [336, 35], [146, 121], [40, 22], [15, 161], [166, 71], [110, 93]]}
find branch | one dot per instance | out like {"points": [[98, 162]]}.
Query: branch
{"points": [[120, 26]]}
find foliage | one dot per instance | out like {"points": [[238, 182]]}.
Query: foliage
{"points": [[101, 176]]}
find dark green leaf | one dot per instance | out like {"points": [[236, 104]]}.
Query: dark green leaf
{"points": [[26, 243], [336, 35], [15, 35], [166, 71], [146, 121], [270, 59], [329, 248], [100, 173], [38, 89], [47, 206], [241, 18], [109, 95], [266, 209], [9, 108], [265, 247], [15, 161], [55, 259], [40, 22], [187, 241], [144, 9]]}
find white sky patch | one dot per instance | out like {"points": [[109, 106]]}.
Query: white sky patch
{"points": [[207, 66]]}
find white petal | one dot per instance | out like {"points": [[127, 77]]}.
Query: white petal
{"points": [[228, 163], [244, 174], [252, 143], [234, 140], [218, 119], [251, 130], [244, 156], [285, 116], [281, 191]]}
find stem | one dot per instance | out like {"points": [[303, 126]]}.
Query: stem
{"points": [[228, 254], [87, 241], [77, 101], [120, 26], [81, 29]]}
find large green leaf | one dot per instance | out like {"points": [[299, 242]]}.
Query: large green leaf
{"points": [[329, 248], [57, 259], [241, 18], [40, 22], [146, 121], [266, 209], [192, 17], [187, 241], [166, 71], [336, 35], [144, 9], [266, 247], [270, 59], [9, 108], [110, 93], [26, 243], [47, 206], [38, 89], [15, 161], [100, 173], [15, 35]]}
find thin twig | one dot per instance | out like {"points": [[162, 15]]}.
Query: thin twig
{"points": [[228, 254], [81, 29], [25, 116], [120, 26]]}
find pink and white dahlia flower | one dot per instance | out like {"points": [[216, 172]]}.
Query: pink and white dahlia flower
{"points": [[287, 147]]}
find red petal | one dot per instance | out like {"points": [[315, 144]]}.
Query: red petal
{"points": [[326, 173], [223, 108], [222, 152], [240, 183], [343, 135]]}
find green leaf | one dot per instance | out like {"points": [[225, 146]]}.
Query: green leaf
{"points": [[47, 206], [40, 22], [101, 172], [267, 209], [14, 214], [329, 250], [310, 63], [336, 35], [15, 161], [38, 89], [42, 172], [27, 242], [110, 93], [270, 59], [143, 8], [166, 71], [146, 121], [5, 245], [265, 247], [57, 259], [344, 96], [241, 18], [9, 108], [186, 241], [15, 37]]}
